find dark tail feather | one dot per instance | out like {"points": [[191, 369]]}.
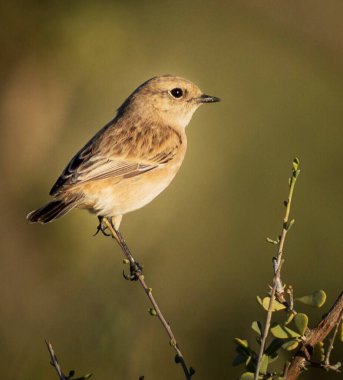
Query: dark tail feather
{"points": [[52, 210]]}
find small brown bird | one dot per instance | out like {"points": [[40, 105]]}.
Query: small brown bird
{"points": [[132, 158]]}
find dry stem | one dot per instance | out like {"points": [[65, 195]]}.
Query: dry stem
{"points": [[188, 372], [278, 265], [54, 361]]}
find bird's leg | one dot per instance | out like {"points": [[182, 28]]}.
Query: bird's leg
{"points": [[101, 227], [136, 269]]}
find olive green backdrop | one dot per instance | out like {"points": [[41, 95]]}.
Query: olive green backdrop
{"points": [[65, 68]]}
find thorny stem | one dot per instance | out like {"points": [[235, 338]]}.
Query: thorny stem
{"points": [[318, 334], [332, 340], [54, 361], [278, 264], [188, 372]]}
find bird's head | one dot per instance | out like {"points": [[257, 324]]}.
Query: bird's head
{"points": [[167, 98]]}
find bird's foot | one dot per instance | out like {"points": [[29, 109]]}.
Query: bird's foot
{"points": [[136, 270], [101, 227]]}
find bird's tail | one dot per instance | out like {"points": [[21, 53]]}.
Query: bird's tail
{"points": [[52, 210]]}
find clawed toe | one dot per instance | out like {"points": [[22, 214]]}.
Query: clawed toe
{"points": [[136, 270], [106, 224], [101, 227]]}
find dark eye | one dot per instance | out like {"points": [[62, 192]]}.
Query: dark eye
{"points": [[177, 93]]}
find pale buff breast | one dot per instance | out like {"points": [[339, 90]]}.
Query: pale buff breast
{"points": [[113, 197]]}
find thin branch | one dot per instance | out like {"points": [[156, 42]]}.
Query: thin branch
{"points": [[188, 372], [332, 340], [56, 365], [54, 361], [316, 335], [277, 264]]}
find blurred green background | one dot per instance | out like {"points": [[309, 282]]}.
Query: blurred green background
{"points": [[66, 67]]}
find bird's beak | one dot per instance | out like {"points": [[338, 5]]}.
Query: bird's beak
{"points": [[207, 99]]}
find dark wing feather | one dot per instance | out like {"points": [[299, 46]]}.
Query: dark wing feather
{"points": [[67, 174]]}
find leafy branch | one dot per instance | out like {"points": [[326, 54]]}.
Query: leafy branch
{"points": [[311, 352], [306, 343], [277, 283]]}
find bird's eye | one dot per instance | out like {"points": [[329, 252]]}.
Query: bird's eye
{"points": [[176, 93]]}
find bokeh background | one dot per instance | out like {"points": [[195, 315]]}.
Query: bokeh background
{"points": [[65, 68]]}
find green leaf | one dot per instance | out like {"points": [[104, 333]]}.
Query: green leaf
{"points": [[290, 317], [247, 376], [274, 346], [248, 361], [272, 358], [301, 322], [244, 351], [276, 306], [290, 345], [257, 327], [264, 364], [243, 348], [283, 332], [316, 299], [318, 352], [239, 359], [241, 342]]}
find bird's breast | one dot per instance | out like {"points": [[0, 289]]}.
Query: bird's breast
{"points": [[111, 197]]}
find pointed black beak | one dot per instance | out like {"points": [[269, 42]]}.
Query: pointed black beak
{"points": [[207, 99]]}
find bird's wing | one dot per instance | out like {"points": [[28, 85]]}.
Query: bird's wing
{"points": [[117, 153]]}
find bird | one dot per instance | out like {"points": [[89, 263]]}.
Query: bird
{"points": [[133, 158]]}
